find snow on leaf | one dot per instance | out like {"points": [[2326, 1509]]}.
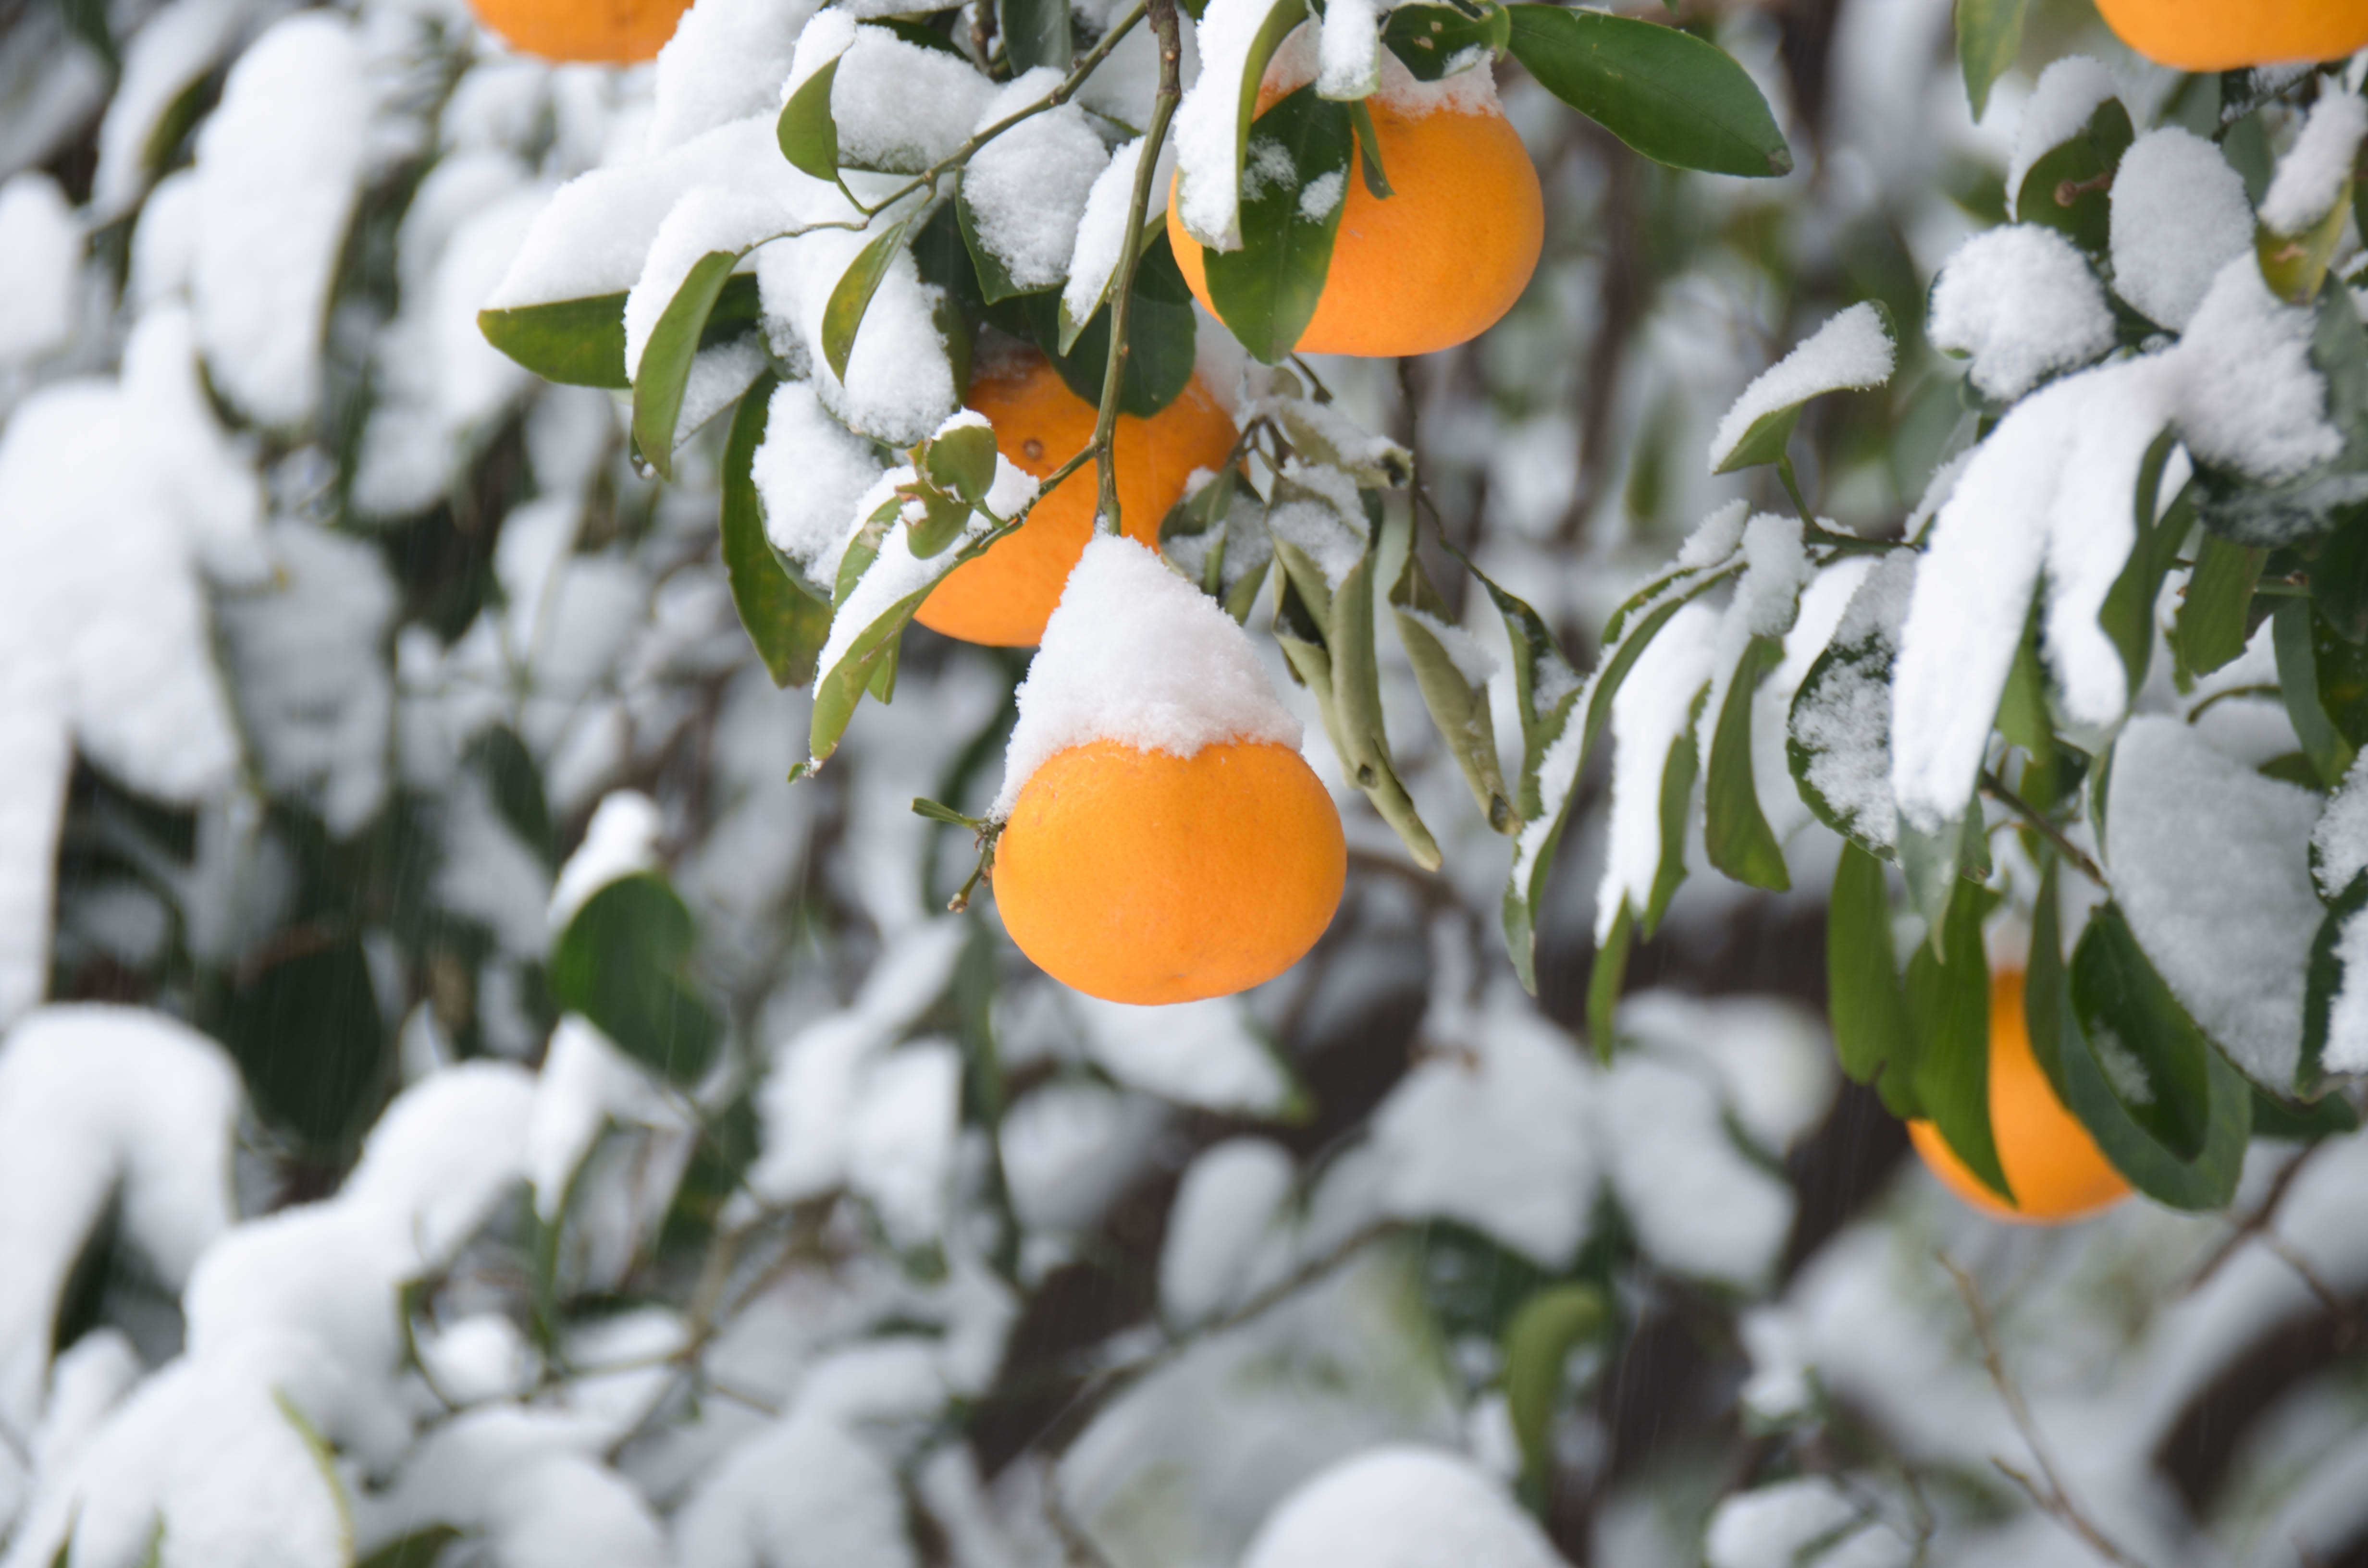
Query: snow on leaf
{"points": [[2179, 216], [1198, 1053], [2023, 303], [1401, 1506], [1856, 349]]}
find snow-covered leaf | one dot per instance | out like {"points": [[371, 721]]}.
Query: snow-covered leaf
{"points": [[788, 624], [1162, 335], [1672, 96], [1238, 39], [1453, 672], [663, 374], [1736, 832], [623, 963], [851, 297], [1294, 187], [1855, 350], [1401, 1507], [2066, 186], [1438, 40]]}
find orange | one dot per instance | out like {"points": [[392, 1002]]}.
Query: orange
{"points": [[611, 32], [1441, 260], [1005, 596], [2051, 1162], [1140, 876], [2222, 35]]}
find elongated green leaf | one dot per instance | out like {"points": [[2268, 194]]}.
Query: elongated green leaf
{"points": [[1035, 32], [2296, 265], [995, 284], [577, 343], [306, 1031], [1668, 94], [1455, 692], [2117, 1020], [1265, 291], [1989, 35], [2329, 975], [2128, 612], [807, 129], [1604, 980], [1837, 739], [1949, 1010], [1435, 42], [665, 369], [1369, 152], [1550, 1324], [787, 623], [2044, 977], [2213, 621], [2069, 187], [1765, 440], [1863, 999], [2292, 630], [1736, 830], [842, 317], [624, 963], [1162, 338], [421, 1548], [1679, 771]]}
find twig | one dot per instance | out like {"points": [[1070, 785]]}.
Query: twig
{"points": [[2047, 1491], [2253, 1224], [1130, 255], [1995, 787], [2347, 1321]]}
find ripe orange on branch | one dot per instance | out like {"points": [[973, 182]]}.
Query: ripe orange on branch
{"points": [[1005, 596], [611, 32], [1444, 257], [2052, 1162], [1140, 876], [2224, 34]]}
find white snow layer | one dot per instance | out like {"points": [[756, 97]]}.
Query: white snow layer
{"points": [[2338, 845], [1349, 50], [1101, 230], [99, 1105], [1854, 350], [1847, 727], [2310, 177], [1027, 188], [2210, 860], [1208, 126], [2179, 216], [2249, 398], [621, 841], [1228, 1235], [1135, 653], [278, 167], [1651, 708], [1700, 1205], [726, 60], [1401, 1506], [901, 105], [2069, 95], [709, 220], [1803, 1521], [40, 267], [809, 473], [803, 1494], [175, 46], [1198, 1053], [2023, 303]]}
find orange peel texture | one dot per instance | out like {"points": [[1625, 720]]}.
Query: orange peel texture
{"points": [[2053, 1165], [1139, 876], [2223, 35], [607, 32], [1005, 596], [1441, 260]]}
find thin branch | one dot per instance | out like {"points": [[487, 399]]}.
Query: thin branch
{"points": [[2047, 1491], [1995, 787], [1130, 255], [2254, 1225]]}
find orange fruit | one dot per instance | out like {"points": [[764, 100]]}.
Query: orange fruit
{"points": [[1140, 876], [609, 32], [2222, 35], [2051, 1162], [1441, 260], [1005, 596]]}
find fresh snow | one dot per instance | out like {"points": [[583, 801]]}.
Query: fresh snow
{"points": [[176, 45], [1029, 188], [1805, 1521], [1847, 727], [2210, 860], [1208, 128], [2338, 845], [1135, 653], [2310, 177], [1853, 350], [1401, 1506], [728, 59], [621, 841], [2179, 216], [1228, 1235], [1700, 1205], [1204, 1054], [1715, 539], [809, 473], [708, 220], [802, 1494], [40, 267], [1101, 230], [1349, 51], [2346, 1047], [1651, 708], [900, 380], [2023, 304], [900, 106], [280, 166], [2251, 399], [2069, 95], [1327, 525]]}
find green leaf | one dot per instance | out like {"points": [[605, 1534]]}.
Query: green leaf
{"points": [[1265, 291], [1369, 152], [941, 522], [2044, 975], [2296, 265], [915, 30], [2128, 614], [2069, 187], [2343, 677], [1851, 678], [787, 622], [807, 131], [307, 1035], [2115, 995], [1935, 861], [1677, 804], [87, 20], [1162, 338], [1863, 999], [1989, 35], [1668, 94], [1545, 1329], [2293, 630], [2329, 1117], [1458, 703], [2329, 975], [1605, 979], [665, 369], [995, 284], [842, 317], [1035, 32], [420, 1549], [1736, 832], [624, 962], [1949, 1010], [1765, 441], [1282, 16], [501, 760], [1435, 42], [962, 461], [2215, 619], [577, 343]]}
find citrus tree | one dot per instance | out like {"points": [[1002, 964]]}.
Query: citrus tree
{"points": [[496, 1071]]}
